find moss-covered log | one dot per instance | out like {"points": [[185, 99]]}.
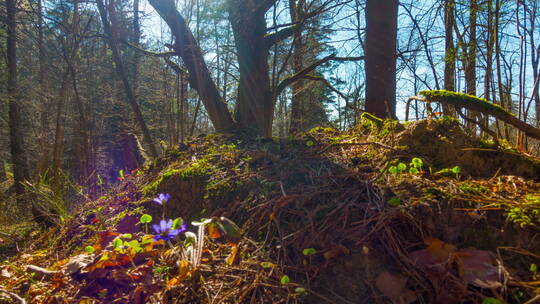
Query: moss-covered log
{"points": [[472, 103]]}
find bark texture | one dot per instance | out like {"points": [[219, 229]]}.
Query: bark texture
{"points": [[381, 34]]}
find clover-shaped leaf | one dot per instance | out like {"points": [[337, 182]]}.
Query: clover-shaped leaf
{"points": [[146, 218]]}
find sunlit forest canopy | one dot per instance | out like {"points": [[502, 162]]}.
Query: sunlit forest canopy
{"points": [[75, 101]]}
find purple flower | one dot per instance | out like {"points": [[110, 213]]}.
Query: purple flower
{"points": [[165, 232], [162, 198]]}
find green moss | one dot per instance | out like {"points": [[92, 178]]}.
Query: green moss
{"points": [[217, 188], [390, 126], [323, 130], [369, 120], [473, 188], [464, 100], [199, 167]]}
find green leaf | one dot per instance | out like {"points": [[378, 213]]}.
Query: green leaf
{"points": [[89, 249], [401, 167], [285, 279], [121, 174], [117, 243], [309, 143], [456, 170], [267, 265], [177, 223], [393, 170], [394, 201], [126, 236], [491, 301], [533, 268], [413, 170], [309, 251], [417, 162], [146, 218], [300, 290], [133, 243]]}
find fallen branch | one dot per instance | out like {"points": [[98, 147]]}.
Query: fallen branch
{"points": [[14, 296], [40, 273], [472, 103]]}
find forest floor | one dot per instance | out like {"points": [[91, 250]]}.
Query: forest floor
{"points": [[382, 213]]}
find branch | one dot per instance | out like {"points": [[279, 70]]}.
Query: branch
{"points": [[149, 53], [175, 66], [293, 78], [472, 103], [327, 83], [15, 296], [291, 29], [271, 39]]}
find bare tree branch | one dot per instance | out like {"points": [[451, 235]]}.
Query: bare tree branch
{"points": [[327, 83], [291, 79], [149, 53]]}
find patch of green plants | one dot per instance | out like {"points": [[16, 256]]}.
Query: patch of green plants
{"points": [[527, 213], [394, 201], [390, 126], [415, 167], [472, 188], [324, 130]]}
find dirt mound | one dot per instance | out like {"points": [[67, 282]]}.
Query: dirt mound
{"points": [[444, 144], [335, 217]]}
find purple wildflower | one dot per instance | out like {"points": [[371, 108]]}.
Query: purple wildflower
{"points": [[162, 198], [165, 232]]}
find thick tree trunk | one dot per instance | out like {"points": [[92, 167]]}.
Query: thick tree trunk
{"points": [[18, 154], [255, 96], [199, 75], [381, 34], [450, 52], [121, 71]]}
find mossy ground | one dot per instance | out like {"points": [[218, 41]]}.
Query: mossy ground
{"points": [[328, 190]]}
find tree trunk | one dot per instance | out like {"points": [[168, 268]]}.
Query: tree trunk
{"points": [[470, 65], [297, 104], [450, 52], [58, 147], [18, 153], [109, 29], [44, 160], [3, 175], [255, 97], [381, 34], [135, 39], [199, 75]]}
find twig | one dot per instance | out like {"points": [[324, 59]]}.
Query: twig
{"points": [[13, 295], [357, 144]]}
